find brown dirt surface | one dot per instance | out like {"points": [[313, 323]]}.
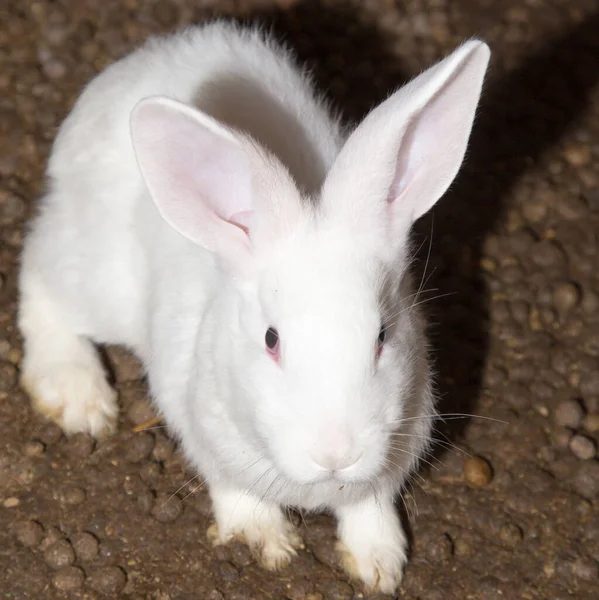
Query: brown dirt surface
{"points": [[509, 508]]}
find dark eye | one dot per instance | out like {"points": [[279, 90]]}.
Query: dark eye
{"points": [[382, 335], [381, 341], [272, 342]]}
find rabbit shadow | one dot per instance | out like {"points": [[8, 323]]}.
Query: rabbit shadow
{"points": [[522, 114]]}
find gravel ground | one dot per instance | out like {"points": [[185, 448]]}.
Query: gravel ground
{"points": [[509, 509]]}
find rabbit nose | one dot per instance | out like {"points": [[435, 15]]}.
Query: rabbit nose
{"points": [[335, 449], [336, 462]]}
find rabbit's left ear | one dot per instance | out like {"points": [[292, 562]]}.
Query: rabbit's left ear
{"points": [[404, 155], [209, 183], [196, 171]]}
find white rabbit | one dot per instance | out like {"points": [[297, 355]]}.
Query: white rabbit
{"points": [[205, 210]]}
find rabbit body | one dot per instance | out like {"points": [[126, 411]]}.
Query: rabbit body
{"points": [[201, 194]]}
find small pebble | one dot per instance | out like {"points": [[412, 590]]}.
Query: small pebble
{"points": [[133, 485], [589, 384], [150, 472], [68, 579], [572, 207], [86, 546], [582, 447], [542, 392], [534, 209], [73, 496], [163, 450], [80, 445], [591, 404], [54, 68], [439, 550], [591, 423], [12, 208], [139, 447], [11, 502], [50, 434], [298, 589], [590, 302], [520, 312], [30, 533], [510, 534], [488, 264], [176, 464], [59, 554], [569, 413], [585, 569], [167, 508], [463, 546], [585, 511], [547, 253], [517, 395], [578, 155], [561, 438], [586, 479], [140, 412], [547, 454], [228, 571], [107, 580], [56, 34], [566, 296], [241, 555], [522, 372], [573, 328], [53, 534], [128, 369], [8, 376], [521, 241], [477, 471], [34, 448], [145, 501]]}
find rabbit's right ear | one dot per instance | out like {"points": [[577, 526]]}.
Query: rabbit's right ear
{"points": [[198, 173], [402, 158]]}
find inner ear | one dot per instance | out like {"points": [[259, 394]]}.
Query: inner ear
{"points": [[242, 220], [409, 161], [198, 173]]}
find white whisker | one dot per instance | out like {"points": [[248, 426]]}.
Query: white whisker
{"points": [[175, 493]]}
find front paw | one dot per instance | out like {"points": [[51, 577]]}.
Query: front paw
{"points": [[271, 538], [372, 545], [379, 568]]}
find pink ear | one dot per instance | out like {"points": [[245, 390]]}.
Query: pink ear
{"points": [[197, 173], [404, 155]]}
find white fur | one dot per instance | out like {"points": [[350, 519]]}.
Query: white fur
{"points": [[199, 193]]}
